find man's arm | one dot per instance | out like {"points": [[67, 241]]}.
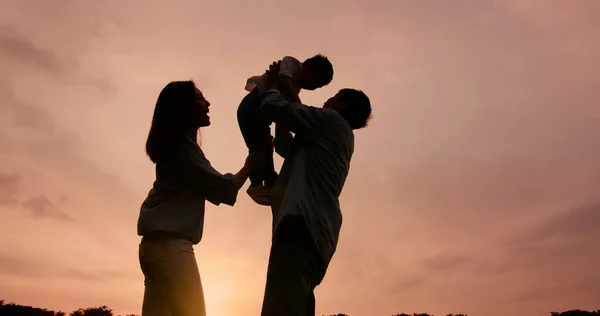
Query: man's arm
{"points": [[283, 140], [288, 68], [283, 137], [301, 119], [283, 72]]}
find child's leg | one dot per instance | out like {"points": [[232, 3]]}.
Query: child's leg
{"points": [[256, 131]]}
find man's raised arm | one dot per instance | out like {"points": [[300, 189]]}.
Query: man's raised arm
{"points": [[285, 72], [302, 120], [283, 140]]}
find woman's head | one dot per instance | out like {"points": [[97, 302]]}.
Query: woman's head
{"points": [[180, 110]]}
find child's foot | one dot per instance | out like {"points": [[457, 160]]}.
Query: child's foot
{"points": [[260, 194]]}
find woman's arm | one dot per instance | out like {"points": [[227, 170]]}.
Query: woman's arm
{"points": [[246, 170], [215, 187]]}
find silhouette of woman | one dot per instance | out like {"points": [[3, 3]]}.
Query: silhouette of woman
{"points": [[172, 216]]}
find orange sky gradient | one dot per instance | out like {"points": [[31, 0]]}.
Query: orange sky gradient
{"points": [[476, 189]]}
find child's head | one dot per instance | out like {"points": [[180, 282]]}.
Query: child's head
{"points": [[317, 72]]}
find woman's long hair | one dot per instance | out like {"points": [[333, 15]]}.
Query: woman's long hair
{"points": [[171, 121]]}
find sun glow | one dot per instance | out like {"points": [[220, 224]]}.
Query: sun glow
{"points": [[218, 296]]}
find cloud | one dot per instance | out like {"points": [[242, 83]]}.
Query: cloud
{"points": [[580, 287], [581, 222], [555, 260], [41, 207], [8, 188], [482, 124], [565, 237], [42, 268], [42, 91], [20, 50], [29, 128], [33, 118], [409, 283], [446, 261], [24, 54]]}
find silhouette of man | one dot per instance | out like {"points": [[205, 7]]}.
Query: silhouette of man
{"points": [[305, 199]]}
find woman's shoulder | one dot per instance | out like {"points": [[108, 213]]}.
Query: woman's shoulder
{"points": [[190, 154], [181, 153]]}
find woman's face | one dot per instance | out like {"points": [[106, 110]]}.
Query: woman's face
{"points": [[201, 110]]}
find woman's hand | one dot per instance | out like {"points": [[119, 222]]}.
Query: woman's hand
{"points": [[255, 160]]}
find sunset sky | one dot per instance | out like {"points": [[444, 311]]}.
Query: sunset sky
{"points": [[475, 189]]}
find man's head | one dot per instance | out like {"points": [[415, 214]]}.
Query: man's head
{"points": [[317, 72], [353, 105]]}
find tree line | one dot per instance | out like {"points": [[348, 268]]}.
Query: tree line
{"points": [[12, 309]]}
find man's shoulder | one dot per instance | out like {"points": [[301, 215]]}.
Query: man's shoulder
{"points": [[337, 116], [329, 114], [335, 127]]}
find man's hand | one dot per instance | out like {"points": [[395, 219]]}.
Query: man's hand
{"points": [[273, 70], [273, 73]]}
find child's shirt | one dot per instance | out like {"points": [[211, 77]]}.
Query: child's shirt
{"points": [[289, 67]]}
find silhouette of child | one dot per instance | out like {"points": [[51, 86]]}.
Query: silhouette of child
{"points": [[294, 76]]}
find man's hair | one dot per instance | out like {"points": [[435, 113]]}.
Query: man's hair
{"points": [[358, 107], [170, 120], [321, 64]]}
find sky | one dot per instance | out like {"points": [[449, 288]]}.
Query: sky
{"points": [[475, 189]]}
